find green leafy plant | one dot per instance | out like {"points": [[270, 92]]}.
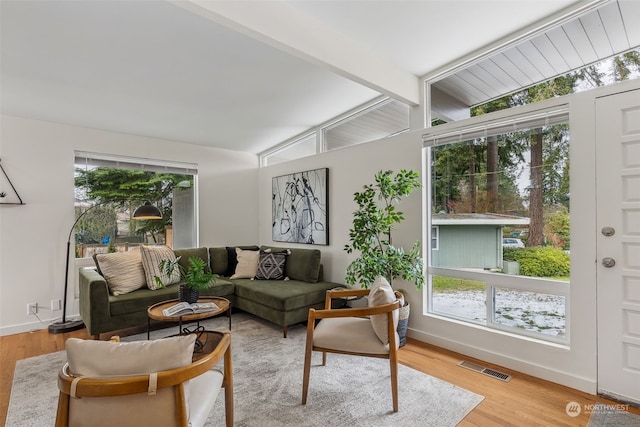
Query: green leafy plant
{"points": [[371, 233], [540, 261], [195, 275]]}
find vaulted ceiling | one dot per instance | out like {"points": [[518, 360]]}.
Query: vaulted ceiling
{"points": [[246, 75]]}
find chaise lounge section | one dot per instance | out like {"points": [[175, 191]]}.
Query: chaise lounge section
{"points": [[284, 302]]}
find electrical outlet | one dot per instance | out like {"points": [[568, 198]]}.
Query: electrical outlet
{"points": [[32, 308], [56, 304]]}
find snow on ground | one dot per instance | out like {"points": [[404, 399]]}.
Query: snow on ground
{"points": [[531, 311]]}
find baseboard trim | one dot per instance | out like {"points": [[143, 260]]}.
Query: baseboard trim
{"points": [[544, 372]]}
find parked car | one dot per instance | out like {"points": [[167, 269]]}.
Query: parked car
{"points": [[510, 242]]}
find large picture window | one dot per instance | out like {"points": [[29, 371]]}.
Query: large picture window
{"points": [[499, 200], [113, 186]]}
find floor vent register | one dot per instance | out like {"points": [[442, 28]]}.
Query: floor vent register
{"points": [[485, 371]]}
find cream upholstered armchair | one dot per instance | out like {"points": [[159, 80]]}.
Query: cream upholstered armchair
{"points": [[367, 331], [152, 383]]}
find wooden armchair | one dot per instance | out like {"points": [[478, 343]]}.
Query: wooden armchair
{"points": [[348, 331], [182, 396]]}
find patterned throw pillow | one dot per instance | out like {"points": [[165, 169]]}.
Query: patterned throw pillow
{"points": [[151, 257], [123, 271], [247, 264], [271, 265]]}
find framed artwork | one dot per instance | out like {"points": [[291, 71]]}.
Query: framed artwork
{"points": [[300, 207]]}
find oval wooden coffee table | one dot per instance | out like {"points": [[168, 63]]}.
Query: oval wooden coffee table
{"points": [[154, 312]]}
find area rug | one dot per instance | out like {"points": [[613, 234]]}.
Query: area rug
{"points": [[349, 391], [603, 415]]}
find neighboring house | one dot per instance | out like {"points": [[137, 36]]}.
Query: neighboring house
{"points": [[470, 240]]}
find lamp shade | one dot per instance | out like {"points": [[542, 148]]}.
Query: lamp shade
{"points": [[147, 211]]}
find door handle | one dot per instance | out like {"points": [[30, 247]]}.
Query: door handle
{"points": [[608, 262]]}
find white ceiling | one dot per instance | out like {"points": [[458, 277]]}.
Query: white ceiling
{"points": [[242, 75]]}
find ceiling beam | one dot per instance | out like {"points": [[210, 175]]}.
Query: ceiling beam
{"points": [[286, 29]]}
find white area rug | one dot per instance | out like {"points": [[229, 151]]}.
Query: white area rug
{"points": [[349, 391]]}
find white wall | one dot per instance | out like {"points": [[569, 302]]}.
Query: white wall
{"points": [[39, 156], [350, 168]]}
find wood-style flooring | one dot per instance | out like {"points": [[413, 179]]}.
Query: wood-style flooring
{"points": [[523, 401]]}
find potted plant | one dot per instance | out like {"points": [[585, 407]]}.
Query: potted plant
{"points": [[371, 235], [195, 276]]}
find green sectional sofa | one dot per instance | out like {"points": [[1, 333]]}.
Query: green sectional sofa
{"points": [[283, 302]]}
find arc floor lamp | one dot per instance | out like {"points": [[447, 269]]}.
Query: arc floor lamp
{"points": [[146, 211]]}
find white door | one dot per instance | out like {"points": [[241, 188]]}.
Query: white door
{"points": [[618, 219]]}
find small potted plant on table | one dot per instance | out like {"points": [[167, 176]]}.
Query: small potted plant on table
{"points": [[196, 277]]}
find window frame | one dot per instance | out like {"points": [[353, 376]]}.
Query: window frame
{"points": [[94, 160], [457, 132]]}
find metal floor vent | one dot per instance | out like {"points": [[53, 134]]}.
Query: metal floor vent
{"points": [[485, 371]]}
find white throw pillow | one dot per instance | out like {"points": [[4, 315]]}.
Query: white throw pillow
{"points": [[381, 293], [100, 359], [247, 264], [123, 271], [151, 257]]}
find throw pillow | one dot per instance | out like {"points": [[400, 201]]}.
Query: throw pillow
{"points": [[232, 258], [123, 271], [271, 265], [232, 261], [247, 264], [381, 293], [92, 358], [151, 257]]}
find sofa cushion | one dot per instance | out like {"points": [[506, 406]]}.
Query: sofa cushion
{"points": [[247, 266], [302, 264], [185, 254], [271, 265], [151, 258], [282, 295], [141, 299], [218, 260], [123, 271]]}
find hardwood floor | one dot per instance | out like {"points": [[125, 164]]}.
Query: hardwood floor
{"points": [[523, 401]]}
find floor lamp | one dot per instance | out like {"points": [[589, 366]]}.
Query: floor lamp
{"points": [[146, 211]]}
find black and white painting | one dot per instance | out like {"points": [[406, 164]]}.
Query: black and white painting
{"points": [[299, 207]]}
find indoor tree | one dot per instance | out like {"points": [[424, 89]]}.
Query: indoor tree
{"points": [[371, 233]]}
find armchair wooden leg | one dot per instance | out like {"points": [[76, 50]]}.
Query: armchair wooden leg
{"points": [[228, 388], [393, 361], [284, 332], [62, 415], [307, 360]]}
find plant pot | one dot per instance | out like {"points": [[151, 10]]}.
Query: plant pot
{"points": [[187, 294], [403, 324]]}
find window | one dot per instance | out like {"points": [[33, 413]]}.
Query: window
{"points": [[384, 119], [112, 187], [302, 147], [435, 236], [499, 217]]}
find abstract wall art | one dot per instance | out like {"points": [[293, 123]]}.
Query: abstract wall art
{"points": [[300, 207]]}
